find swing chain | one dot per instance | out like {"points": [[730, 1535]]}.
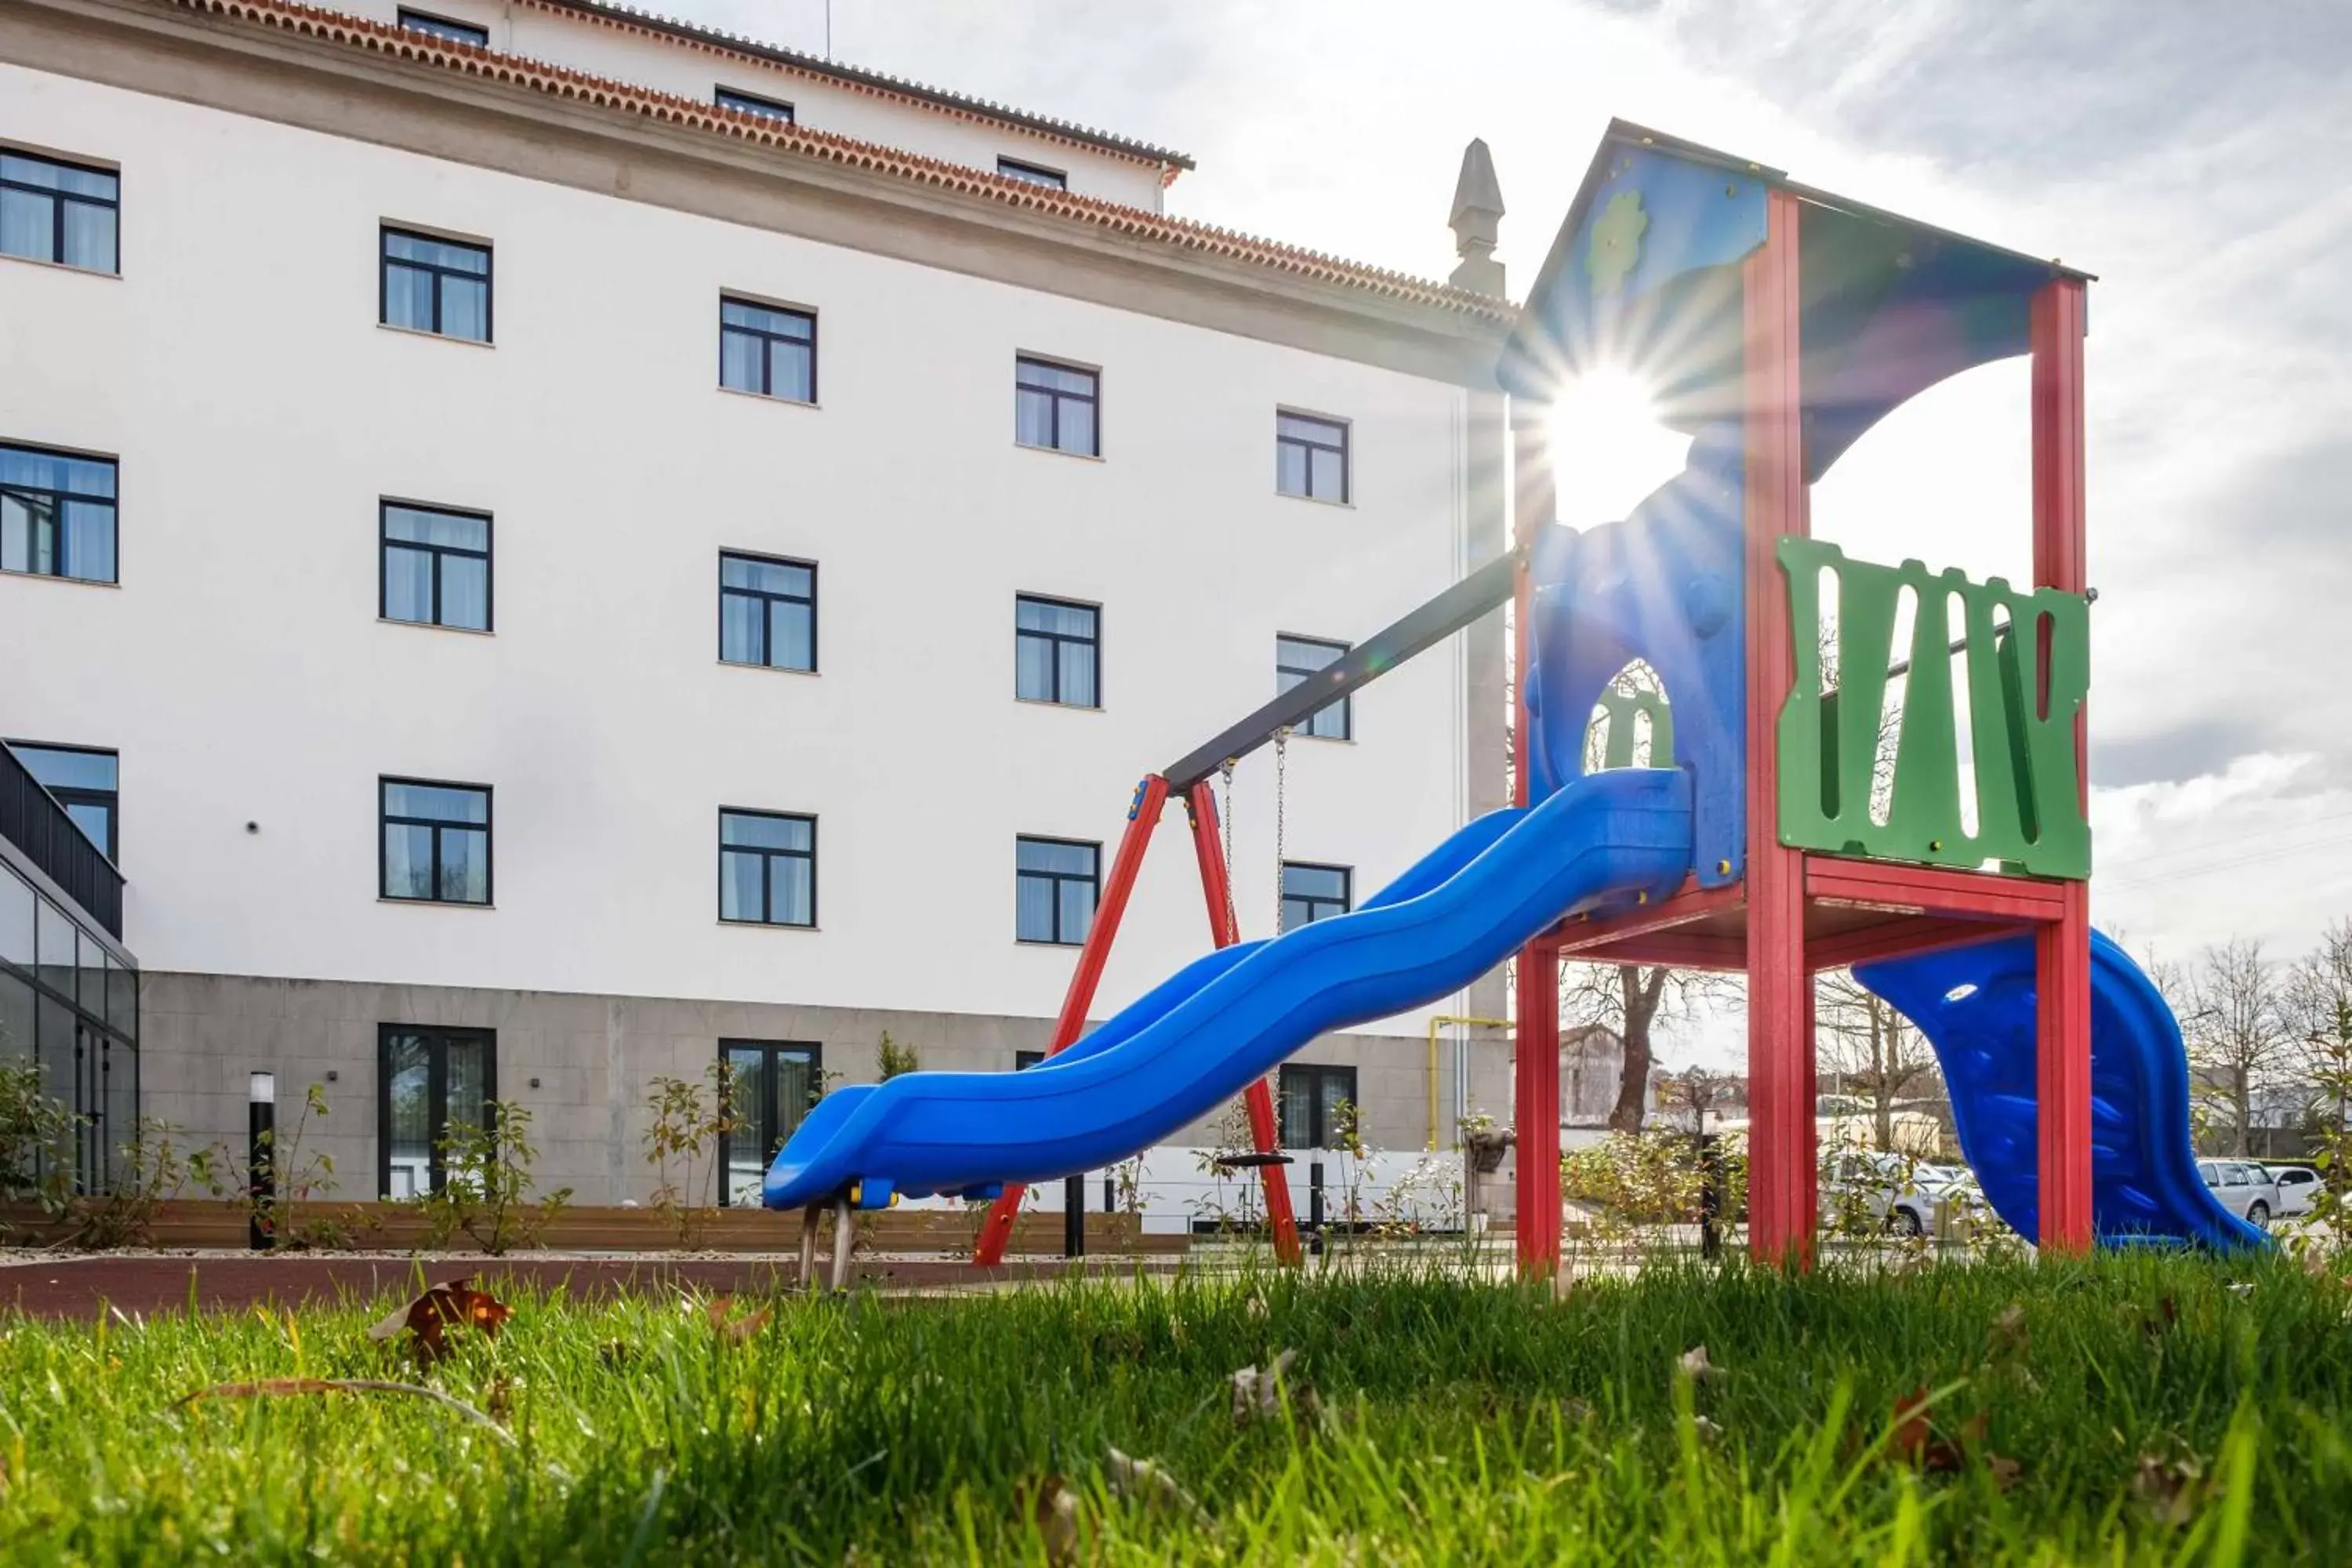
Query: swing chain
{"points": [[1225, 822]]}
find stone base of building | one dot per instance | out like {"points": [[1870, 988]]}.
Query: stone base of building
{"points": [[584, 1066]]}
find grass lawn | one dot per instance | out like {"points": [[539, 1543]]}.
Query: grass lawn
{"points": [[2129, 1409]]}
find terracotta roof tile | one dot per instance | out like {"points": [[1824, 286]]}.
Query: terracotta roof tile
{"points": [[713, 40], [562, 82]]}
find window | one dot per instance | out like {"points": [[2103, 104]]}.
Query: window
{"points": [[1311, 1099], [1056, 884], [436, 566], [1058, 652], [1298, 659], [436, 841], [767, 868], [1310, 456], [1033, 174], [57, 514], [441, 27], [439, 286], [54, 211], [1311, 893], [767, 612], [85, 781], [1055, 406], [429, 1081], [1023, 1060], [771, 1083], [767, 350], [752, 103]]}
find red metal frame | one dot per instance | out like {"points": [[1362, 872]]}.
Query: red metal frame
{"points": [[1265, 1127], [2063, 947], [1931, 890], [1782, 1201], [1535, 1066], [1142, 818]]}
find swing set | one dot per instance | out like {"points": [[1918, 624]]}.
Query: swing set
{"points": [[1188, 779]]}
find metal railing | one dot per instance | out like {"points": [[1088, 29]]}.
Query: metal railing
{"points": [[31, 819]]}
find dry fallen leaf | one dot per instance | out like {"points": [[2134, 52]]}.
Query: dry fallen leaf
{"points": [[732, 1330], [1692, 1363], [1708, 1431], [1049, 1502], [500, 1401], [2167, 1488], [1148, 1484], [2004, 1471], [2008, 1330], [1259, 1393], [1914, 1441], [429, 1315]]}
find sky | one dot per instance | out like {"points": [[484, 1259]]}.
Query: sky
{"points": [[2192, 154]]}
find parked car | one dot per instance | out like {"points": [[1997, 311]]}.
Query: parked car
{"points": [[1901, 1194], [2298, 1187], [2245, 1190]]}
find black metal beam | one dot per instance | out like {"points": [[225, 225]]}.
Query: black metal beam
{"points": [[1487, 588]]}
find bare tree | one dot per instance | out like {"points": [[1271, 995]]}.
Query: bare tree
{"points": [[2237, 1032], [1631, 1001], [2317, 1005], [1880, 1055]]}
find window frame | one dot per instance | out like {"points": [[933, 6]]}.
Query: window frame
{"points": [[1344, 702], [753, 103], [768, 339], [1092, 399], [446, 29], [1346, 448], [1055, 639], [488, 556], [1345, 902], [58, 498], [767, 598], [70, 796], [486, 827], [1316, 1074], [1093, 881], [1029, 174], [58, 199], [437, 1038], [486, 277], [766, 855], [770, 1139]]}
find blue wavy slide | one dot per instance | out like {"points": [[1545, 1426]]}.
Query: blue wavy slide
{"points": [[1977, 1006], [1204, 1035]]}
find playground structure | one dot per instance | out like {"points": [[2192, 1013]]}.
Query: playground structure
{"points": [[1783, 831]]}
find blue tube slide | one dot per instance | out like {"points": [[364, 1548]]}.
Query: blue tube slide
{"points": [[1977, 1006], [1200, 1037]]}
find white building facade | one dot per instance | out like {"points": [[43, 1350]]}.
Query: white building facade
{"points": [[503, 704]]}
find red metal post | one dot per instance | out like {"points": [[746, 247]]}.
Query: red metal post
{"points": [[1535, 1068], [1781, 1178], [1265, 1129], [1142, 818], [2062, 948]]}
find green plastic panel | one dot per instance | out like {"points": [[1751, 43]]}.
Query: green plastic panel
{"points": [[2027, 793], [1614, 713]]}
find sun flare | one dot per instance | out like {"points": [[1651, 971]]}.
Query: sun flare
{"points": [[1608, 449]]}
